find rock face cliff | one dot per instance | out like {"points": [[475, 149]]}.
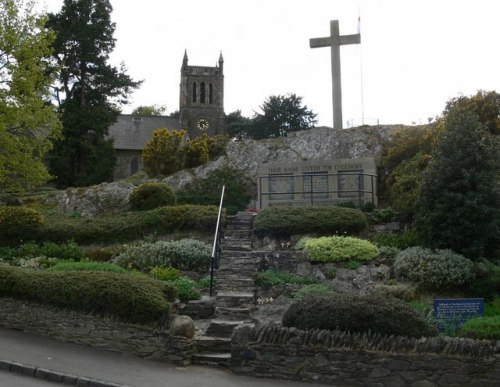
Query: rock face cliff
{"points": [[314, 144]]}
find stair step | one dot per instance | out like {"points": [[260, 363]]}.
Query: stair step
{"points": [[237, 254], [210, 344], [222, 328], [236, 245], [233, 313], [212, 359], [237, 261], [230, 299], [240, 234]]}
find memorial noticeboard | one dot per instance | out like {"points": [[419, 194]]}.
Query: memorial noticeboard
{"points": [[455, 312]]}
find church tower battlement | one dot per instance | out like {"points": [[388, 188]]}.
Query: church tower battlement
{"points": [[201, 105]]}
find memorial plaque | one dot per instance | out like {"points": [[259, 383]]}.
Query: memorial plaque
{"points": [[317, 182], [281, 188], [455, 312]]}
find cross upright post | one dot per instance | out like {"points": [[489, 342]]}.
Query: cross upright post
{"points": [[334, 41]]}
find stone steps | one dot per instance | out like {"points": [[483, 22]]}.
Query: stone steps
{"points": [[222, 328], [235, 298], [235, 313], [210, 344], [212, 359]]}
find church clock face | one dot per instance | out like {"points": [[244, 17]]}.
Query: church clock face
{"points": [[202, 124]]}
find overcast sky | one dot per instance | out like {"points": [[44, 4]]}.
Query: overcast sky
{"points": [[414, 55]]}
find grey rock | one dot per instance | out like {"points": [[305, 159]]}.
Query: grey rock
{"points": [[182, 326]]}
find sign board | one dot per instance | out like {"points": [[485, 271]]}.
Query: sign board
{"points": [[453, 313]]}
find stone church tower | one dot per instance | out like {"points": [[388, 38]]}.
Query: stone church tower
{"points": [[201, 105]]}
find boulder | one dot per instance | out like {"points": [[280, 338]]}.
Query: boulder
{"points": [[182, 326]]}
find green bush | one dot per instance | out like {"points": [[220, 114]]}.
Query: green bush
{"points": [[68, 251], [401, 241], [278, 277], [151, 195], [103, 253], [313, 290], [184, 254], [18, 224], [487, 280], [337, 249], [129, 225], [433, 269], [87, 266], [286, 221], [196, 151], [240, 189], [129, 298], [487, 328], [347, 312], [186, 288], [165, 273], [384, 215]]}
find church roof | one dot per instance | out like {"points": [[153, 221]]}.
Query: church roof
{"points": [[132, 132]]}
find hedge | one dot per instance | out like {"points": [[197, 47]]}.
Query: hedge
{"points": [[286, 221], [346, 312], [18, 224], [129, 225], [137, 299]]}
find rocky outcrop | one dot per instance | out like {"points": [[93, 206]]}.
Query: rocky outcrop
{"points": [[314, 144], [105, 198]]}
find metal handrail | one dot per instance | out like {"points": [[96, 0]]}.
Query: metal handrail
{"points": [[215, 250]]}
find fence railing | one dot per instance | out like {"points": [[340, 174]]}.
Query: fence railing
{"points": [[317, 188], [214, 259]]}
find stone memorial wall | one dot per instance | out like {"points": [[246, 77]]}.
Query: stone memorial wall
{"points": [[317, 182]]}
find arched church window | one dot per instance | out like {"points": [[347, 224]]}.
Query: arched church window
{"points": [[202, 92], [210, 94], [194, 91]]}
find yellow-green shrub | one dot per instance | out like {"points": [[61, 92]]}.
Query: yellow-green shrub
{"points": [[18, 223], [336, 249], [196, 151]]}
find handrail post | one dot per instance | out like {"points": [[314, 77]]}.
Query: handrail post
{"points": [[216, 237]]}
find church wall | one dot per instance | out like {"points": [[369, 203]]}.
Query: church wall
{"points": [[126, 163]]}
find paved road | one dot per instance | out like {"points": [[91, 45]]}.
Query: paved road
{"points": [[115, 368], [9, 379]]}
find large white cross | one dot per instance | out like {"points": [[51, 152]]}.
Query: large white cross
{"points": [[335, 41]]}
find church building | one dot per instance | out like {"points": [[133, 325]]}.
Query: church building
{"points": [[201, 110]]}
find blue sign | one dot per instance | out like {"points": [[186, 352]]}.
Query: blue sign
{"points": [[453, 313]]}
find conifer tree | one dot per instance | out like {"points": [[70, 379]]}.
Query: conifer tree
{"points": [[89, 92], [458, 205]]}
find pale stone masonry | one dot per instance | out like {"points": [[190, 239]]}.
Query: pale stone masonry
{"points": [[317, 182]]}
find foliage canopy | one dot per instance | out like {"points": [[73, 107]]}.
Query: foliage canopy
{"points": [[28, 123], [89, 92]]}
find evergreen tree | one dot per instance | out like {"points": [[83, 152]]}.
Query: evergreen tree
{"points": [[458, 205], [89, 92], [282, 115]]}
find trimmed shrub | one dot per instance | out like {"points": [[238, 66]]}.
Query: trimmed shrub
{"points": [[151, 195], [88, 266], [186, 288], [313, 290], [337, 249], [482, 328], [346, 312], [277, 277], [433, 269], [68, 251], [130, 225], [287, 221], [184, 254], [129, 298], [240, 189], [18, 224]]}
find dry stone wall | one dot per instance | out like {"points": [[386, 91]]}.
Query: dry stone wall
{"points": [[346, 359], [68, 326]]}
